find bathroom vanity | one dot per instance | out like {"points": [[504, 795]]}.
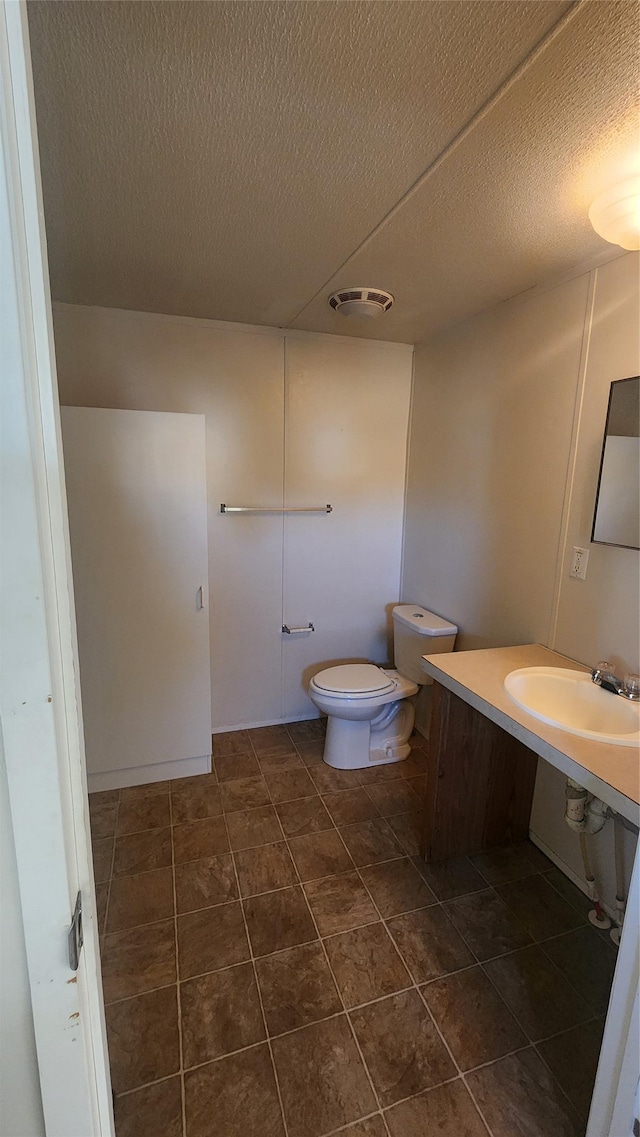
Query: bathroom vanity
{"points": [[483, 755], [484, 749]]}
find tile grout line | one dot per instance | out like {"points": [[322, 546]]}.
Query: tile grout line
{"points": [[473, 1096], [275, 802], [388, 1108], [241, 1049], [424, 1004], [338, 1014], [336, 985], [541, 945], [350, 1124], [146, 1085], [310, 880], [258, 959], [558, 892], [432, 1019], [324, 951], [557, 967], [463, 1074], [255, 975], [500, 955], [532, 1044], [335, 982], [400, 956], [572, 1107], [481, 963]]}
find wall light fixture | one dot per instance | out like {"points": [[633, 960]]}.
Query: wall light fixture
{"points": [[615, 214]]}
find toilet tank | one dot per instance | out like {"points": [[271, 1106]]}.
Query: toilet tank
{"points": [[417, 632]]}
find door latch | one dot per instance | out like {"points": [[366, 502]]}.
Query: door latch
{"points": [[75, 938]]}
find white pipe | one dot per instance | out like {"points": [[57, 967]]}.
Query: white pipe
{"points": [[597, 916], [596, 815], [583, 813], [576, 798], [589, 877]]}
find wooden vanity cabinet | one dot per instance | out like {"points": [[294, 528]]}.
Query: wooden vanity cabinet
{"points": [[480, 782]]}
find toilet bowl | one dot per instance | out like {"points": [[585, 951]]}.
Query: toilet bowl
{"points": [[371, 709]]}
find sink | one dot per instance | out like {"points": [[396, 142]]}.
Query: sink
{"points": [[571, 701]]}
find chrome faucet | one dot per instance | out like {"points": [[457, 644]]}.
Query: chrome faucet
{"points": [[604, 675]]}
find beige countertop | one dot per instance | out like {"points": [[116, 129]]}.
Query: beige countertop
{"points": [[610, 772]]}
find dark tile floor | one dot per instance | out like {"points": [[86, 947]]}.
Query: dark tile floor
{"points": [[278, 962]]}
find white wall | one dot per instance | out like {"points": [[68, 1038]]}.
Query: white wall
{"points": [[508, 416], [347, 412], [598, 618], [489, 446], [20, 1103], [298, 418]]}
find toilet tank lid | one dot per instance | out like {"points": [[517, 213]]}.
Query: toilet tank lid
{"points": [[423, 622]]}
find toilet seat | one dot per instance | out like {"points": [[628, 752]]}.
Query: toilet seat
{"points": [[354, 681]]}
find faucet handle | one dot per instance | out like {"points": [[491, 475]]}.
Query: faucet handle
{"points": [[603, 670], [631, 686]]}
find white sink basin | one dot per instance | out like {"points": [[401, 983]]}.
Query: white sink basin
{"points": [[570, 700]]}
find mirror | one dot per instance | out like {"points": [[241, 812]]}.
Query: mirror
{"points": [[616, 519]]}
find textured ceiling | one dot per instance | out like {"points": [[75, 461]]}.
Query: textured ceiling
{"points": [[238, 160]]}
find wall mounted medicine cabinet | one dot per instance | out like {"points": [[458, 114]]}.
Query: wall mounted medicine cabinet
{"points": [[616, 518]]}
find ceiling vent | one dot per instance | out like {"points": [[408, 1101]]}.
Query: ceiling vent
{"points": [[364, 302]]}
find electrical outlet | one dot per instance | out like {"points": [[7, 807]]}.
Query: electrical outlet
{"points": [[579, 561]]}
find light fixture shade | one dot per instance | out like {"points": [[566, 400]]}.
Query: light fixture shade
{"points": [[615, 214], [365, 309]]}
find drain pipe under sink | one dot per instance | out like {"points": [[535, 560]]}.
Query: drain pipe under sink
{"points": [[585, 814], [597, 916]]}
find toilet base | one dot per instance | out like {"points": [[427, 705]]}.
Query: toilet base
{"points": [[389, 754], [353, 745]]}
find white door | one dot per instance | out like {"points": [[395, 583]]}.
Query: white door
{"points": [[136, 489], [39, 700]]}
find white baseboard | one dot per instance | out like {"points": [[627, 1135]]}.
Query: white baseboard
{"points": [[143, 775], [568, 872], [265, 722]]}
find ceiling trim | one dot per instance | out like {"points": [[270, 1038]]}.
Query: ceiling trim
{"points": [[225, 325]]}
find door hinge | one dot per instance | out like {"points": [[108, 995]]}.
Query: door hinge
{"points": [[75, 939]]}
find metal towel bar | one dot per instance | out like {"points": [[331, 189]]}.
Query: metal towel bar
{"points": [[274, 509]]}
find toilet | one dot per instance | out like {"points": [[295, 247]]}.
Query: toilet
{"points": [[371, 709]]}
